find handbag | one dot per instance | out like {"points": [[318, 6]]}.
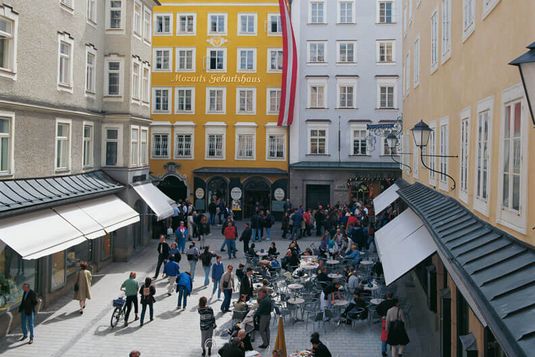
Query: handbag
{"points": [[397, 335]]}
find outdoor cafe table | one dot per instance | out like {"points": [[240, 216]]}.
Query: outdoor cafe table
{"points": [[309, 266], [366, 262], [297, 302], [257, 286], [376, 301], [295, 286], [335, 276], [304, 353], [252, 354], [262, 254], [333, 262], [372, 289]]}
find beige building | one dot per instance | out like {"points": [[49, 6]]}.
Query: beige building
{"points": [[456, 78]]}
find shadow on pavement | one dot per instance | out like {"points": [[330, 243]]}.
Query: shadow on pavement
{"points": [[64, 316], [167, 315]]}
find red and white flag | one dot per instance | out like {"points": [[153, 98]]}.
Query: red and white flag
{"points": [[289, 67]]}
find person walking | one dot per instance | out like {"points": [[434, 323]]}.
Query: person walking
{"points": [[171, 270], [268, 223], [192, 253], [227, 285], [130, 287], [230, 238], [246, 237], [212, 210], [207, 320], [147, 292], [203, 228], [382, 309], [206, 260], [182, 235], [246, 284], [285, 224], [217, 272], [263, 314], [27, 311], [395, 329], [82, 287], [163, 254], [255, 226], [184, 286]]}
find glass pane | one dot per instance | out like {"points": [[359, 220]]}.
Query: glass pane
{"points": [[507, 122], [14, 271], [516, 156], [506, 146], [75, 255], [4, 126], [516, 193], [112, 134], [517, 117], [505, 190], [111, 153], [4, 154], [57, 279]]}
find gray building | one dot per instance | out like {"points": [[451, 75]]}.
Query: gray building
{"points": [[74, 124], [349, 77]]}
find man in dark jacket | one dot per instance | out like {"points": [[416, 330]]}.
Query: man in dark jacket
{"points": [[246, 284], [163, 254], [246, 237], [263, 314], [212, 209], [318, 348], [255, 226], [27, 311], [320, 218]]}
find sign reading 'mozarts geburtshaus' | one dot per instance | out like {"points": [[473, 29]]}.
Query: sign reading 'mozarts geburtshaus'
{"points": [[215, 78]]}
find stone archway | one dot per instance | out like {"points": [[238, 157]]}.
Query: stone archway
{"points": [[174, 187], [217, 186], [256, 194]]}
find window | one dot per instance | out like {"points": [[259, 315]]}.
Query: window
{"points": [[183, 145], [246, 98], [217, 59], [247, 24], [484, 118], [111, 138], [385, 51], [316, 12], [274, 24], [138, 9], [488, 6], [136, 72], [145, 84], [65, 61], [91, 12], [57, 278], [185, 100], [443, 161], [63, 145], [8, 36], [162, 24], [387, 150], [217, 23], [316, 52], [276, 143], [416, 71], [407, 73], [160, 97], [386, 94], [347, 94], [115, 14], [512, 157], [186, 24], [147, 24], [162, 59], [185, 59], [134, 146], [359, 141], [215, 146], [317, 142], [446, 28], [316, 95], [216, 100], [434, 40], [432, 151], [88, 146], [144, 146], [90, 70], [465, 145], [273, 100], [345, 11], [405, 19], [160, 145], [346, 52], [275, 60], [113, 77], [469, 17], [245, 147], [5, 143], [247, 59], [385, 13]]}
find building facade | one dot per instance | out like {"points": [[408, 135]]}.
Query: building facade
{"points": [[458, 81], [74, 126], [216, 92], [349, 78]]}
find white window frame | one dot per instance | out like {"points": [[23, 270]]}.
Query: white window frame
{"points": [[339, 52], [352, 138], [157, 16], [193, 59], [378, 12], [268, 101], [444, 151], [317, 83], [464, 153], [192, 111], [169, 98], [66, 86], [378, 44], [238, 60], [415, 160], [346, 82], [482, 204], [136, 82], [239, 30], [134, 142], [91, 144], [11, 70], [69, 144], [147, 25], [279, 21], [309, 138], [93, 78], [185, 128], [215, 128], [137, 19], [224, 100], [416, 64], [169, 51], [10, 116], [145, 84], [273, 130], [144, 146], [118, 30], [247, 129], [91, 12], [488, 6], [239, 90], [339, 12], [194, 16], [107, 95], [269, 51], [119, 141], [469, 18], [309, 53], [407, 73], [432, 162], [163, 131], [225, 59], [387, 82], [217, 33], [310, 22], [67, 5], [446, 30], [434, 41]]}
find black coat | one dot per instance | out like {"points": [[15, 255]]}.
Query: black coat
{"points": [[163, 250], [246, 235], [246, 288], [28, 304]]}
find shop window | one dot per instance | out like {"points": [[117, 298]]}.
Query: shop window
{"points": [[14, 271], [106, 242], [77, 254], [57, 276]]}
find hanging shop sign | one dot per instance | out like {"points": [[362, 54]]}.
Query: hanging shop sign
{"points": [[235, 193], [199, 193], [278, 194]]}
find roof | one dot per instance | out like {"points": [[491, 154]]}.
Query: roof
{"points": [[498, 269], [345, 165], [21, 195], [240, 171]]}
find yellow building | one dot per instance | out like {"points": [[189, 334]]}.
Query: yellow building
{"points": [[216, 85], [458, 81]]}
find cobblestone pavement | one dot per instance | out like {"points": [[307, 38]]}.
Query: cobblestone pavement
{"points": [[62, 331]]}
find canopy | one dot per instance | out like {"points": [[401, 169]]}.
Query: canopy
{"points": [[385, 199], [38, 234], [402, 244], [109, 212], [156, 200], [90, 228]]}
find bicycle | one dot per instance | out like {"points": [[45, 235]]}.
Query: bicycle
{"points": [[119, 311]]}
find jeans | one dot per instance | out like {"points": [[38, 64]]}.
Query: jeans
{"points": [[384, 347], [231, 248], [182, 296], [206, 274], [181, 245], [143, 309], [226, 301], [192, 266], [217, 286], [212, 219], [257, 234], [224, 245], [296, 231], [268, 233], [27, 323], [131, 299]]}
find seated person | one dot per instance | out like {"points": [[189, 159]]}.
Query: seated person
{"points": [[272, 251], [240, 273], [275, 264], [308, 252], [318, 348], [329, 293], [174, 252], [231, 350], [294, 246], [353, 282], [353, 255], [252, 251], [264, 271], [291, 260], [242, 341], [241, 304], [322, 276], [358, 302]]}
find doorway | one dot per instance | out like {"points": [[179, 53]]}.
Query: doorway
{"points": [[217, 189], [317, 195], [445, 323], [174, 187], [257, 194]]}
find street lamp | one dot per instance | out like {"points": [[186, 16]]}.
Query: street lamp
{"points": [[392, 142], [526, 66]]}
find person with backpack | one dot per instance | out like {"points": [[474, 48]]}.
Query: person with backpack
{"points": [[184, 287], [147, 292], [217, 272], [192, 254], [395, 329], [206, 260], [207, 320]]}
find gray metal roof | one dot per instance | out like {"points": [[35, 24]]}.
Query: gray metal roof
{"points": [[20, 195], [240, 171], [498, 269]]}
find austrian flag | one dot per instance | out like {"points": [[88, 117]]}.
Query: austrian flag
{"points": [[289, 67]]}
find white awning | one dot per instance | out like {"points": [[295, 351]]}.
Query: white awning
{"points": [[110, 212], [38, 234], [90, 228], [385, 199], [156, 199], [402, 244]]}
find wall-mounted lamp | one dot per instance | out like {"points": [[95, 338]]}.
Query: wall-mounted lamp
{"points": [[526, 66]]}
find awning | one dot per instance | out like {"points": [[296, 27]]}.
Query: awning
{"points": [[90, 228], [402, 244], [110, 212], [385, 199], [156, 200], [38, 234]]}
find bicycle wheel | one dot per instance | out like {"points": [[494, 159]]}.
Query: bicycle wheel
{"points": [[115, 317]]}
